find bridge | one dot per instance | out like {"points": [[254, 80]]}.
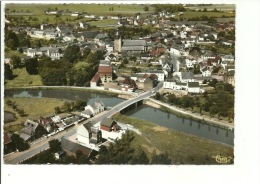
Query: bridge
{"points": [[129, 104], [18, 157]]}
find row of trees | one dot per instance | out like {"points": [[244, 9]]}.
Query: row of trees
{"points": [[169, 8]]}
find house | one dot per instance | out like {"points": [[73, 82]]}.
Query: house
{"points": [[229, 77], [83, 24], [46, 123], [128, 84], [150, 82], [95, 81], [8, 144], [93, 109], [30, 131], [58, 155], [169, 84], [186, 76], [109, 125], [88, 134], [71, 148], [206, 72], [105, 73], [193, 87]]}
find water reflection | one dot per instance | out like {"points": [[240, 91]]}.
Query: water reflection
{"points": [[217, 131], [198, 125]]}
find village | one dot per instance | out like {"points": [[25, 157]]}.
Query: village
{"points": [[182, 55]]}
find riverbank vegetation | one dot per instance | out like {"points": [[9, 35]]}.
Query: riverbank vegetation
{"points": [[182, 148], [218, 103]]}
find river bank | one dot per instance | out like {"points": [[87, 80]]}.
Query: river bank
{"points": [[182, 148], [189, 115]]}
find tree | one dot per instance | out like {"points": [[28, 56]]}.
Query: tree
{"points": [[146, 8], [72, 53], [19, 142], [162, 158], [140, 157], [55, 145], [31, 66], [16, 61], [11, 39], [8, 73]]}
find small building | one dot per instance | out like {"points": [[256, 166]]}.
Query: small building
{"points": [[109, 125], [59, 154], [193, 87]]}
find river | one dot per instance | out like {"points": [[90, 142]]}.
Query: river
{"points": [[143, 112]]}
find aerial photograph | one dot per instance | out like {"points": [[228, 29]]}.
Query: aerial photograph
{"points": [[118, 84]]}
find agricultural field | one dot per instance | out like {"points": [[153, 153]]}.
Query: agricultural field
{"points": [[221, 7], [97, 9], [192, 14]]}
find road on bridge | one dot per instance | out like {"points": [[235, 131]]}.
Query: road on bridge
{"points": [[17, 157]]}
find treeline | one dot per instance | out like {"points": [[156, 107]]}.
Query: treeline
{"points": [[129, 32], [219, 102], [13, 40], [169, 8]]}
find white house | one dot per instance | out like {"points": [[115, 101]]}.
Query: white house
{"points": [[193, 87], [206, 72], [169, 84], [87, 134]]}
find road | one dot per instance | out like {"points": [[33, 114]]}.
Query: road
{"points": [[17, 157]]}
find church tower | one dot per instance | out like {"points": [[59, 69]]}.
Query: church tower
{"points": [[117, 42]]}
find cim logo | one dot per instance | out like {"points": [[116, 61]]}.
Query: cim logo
{"points": [[222, 160]]}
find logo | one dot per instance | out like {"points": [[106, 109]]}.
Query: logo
{"points": [[222, 160]]}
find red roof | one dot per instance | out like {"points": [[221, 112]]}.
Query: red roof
{"points": [[105, 69], [7, 138], [95, 78]]}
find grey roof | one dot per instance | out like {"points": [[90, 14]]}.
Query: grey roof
{"points": [[134, 43], [87, 112], [132, 48], [72, 147], [88, 126], [24, 136], [107, 122], [105, 62], [231, 73], [187, 75], [193, 84], [181, 83]]}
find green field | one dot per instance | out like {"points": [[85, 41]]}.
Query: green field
{"points": [[34, 107], [182, 148], [23, 79], [222, 7], [191, 14], [97, 9]]}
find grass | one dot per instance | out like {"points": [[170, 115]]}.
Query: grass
{"points": [[23, 79], [191, 14], [103, 23], [33, 107], [182, 148], [97, 9]]}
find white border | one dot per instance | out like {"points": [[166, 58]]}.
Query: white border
{"points": [[246, 167]]}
